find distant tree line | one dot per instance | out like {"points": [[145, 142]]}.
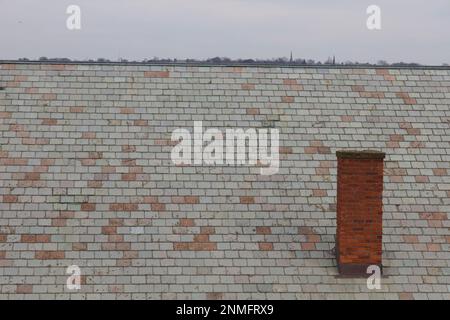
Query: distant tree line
{"points": [[225, 60]]}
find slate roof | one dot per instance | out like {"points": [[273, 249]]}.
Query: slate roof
{"points": [[87, 180]]}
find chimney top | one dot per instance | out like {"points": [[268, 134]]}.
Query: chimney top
{"points": [[363, 154]]}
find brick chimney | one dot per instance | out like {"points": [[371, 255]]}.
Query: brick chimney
{"points": [[359, 211]]}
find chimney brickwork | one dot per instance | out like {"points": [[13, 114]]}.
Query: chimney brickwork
{"points": [[359, 211]]}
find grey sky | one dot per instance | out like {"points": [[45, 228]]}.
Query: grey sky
{"points": [[412, 30]]}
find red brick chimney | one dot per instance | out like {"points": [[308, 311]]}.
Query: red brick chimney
{"points": [[359, 211]]}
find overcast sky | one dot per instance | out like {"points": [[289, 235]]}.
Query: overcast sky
{"points": [[412, 30]]}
